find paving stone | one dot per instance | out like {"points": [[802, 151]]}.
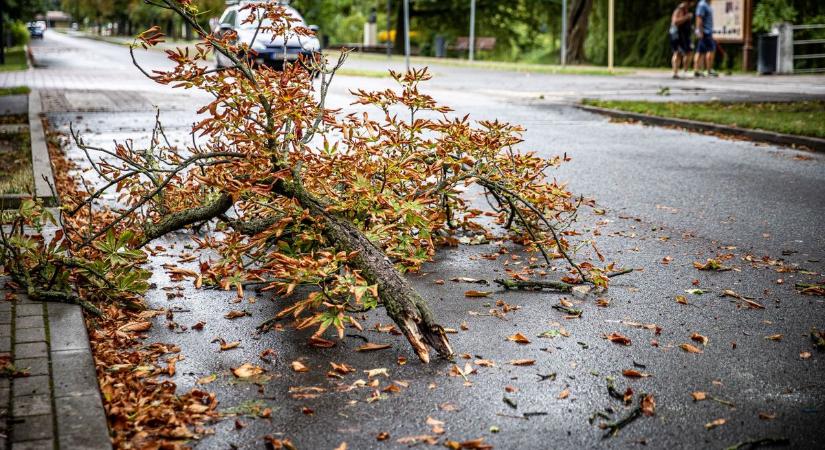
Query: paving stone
{"points": [[30, 335], [31, 350], [81, 423], [33, 385], [74, 373], [5, 307], [5, 344], [28, 322], [5, 317], [5, 395], [5, 330], [31, 309], [32, 428], [68, 332], [32, 405], [35, 366], [43, 444]]}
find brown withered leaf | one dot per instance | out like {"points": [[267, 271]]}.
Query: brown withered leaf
{"points": [[472, 293], [485, 362], [690, 348], [247, 370], [136, 326], [382, 436], [472, 444], [698, 396], [199, 326], [234, 314], [774, 337], [617, 338], [298, 366], [699, 338], [518, 338], [648, 405], [207, 379], [681, 299], [319, 342], [715, 423], [767, 416], [420, 439], [522, 362], [436, 426], [564, 394], [633, 373], [342, 368], [372, 346], [229, 345]]}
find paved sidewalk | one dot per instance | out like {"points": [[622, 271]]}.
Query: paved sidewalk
{"points": [[58, 402]]}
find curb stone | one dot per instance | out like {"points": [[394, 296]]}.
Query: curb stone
{"points": [[788, 140], [41, 164]]}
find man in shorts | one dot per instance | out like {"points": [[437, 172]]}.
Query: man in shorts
{"points": [[706, 46], [680, 37]]}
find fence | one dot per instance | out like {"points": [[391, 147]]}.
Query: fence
{"points": [[789, 49]]}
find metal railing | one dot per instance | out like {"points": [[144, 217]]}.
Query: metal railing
{"points": [[807, 56]]}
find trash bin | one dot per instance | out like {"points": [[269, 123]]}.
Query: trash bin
{"points": [[766, 48], [440, 47]]}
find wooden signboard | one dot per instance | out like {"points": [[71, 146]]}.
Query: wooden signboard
{"points": [[729, 21]]}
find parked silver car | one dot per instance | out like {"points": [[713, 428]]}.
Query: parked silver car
{"points": [[271, 50]]}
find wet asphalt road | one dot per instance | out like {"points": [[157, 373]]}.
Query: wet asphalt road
{"points": [[666, 192]]}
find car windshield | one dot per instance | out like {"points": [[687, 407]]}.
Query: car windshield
{"points": [[299, 21]]}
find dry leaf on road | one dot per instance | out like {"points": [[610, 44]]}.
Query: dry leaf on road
{"points": [[372, 346], [519, 338], [690, 348]]}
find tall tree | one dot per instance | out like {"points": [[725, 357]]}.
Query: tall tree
{"points": [[578, 19]]}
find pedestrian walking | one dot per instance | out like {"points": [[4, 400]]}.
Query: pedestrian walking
{"points": [[706, 45], [680, 37]]}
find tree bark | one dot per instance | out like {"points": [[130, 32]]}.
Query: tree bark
{"points": [[403, 304], [578, 19]]}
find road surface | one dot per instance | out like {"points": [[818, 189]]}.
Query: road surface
{"points": [[669, 195]]}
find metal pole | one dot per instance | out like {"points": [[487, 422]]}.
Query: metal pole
{"points": [[563, 32], [472, 29], [407, 32], [389, 28], [610, 19]]}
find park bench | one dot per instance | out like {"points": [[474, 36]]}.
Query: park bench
{"points": [[462, 43]]}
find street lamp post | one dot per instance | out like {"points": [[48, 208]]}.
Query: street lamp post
{"points": [[563, 32], [407, 32], [472, 29], [389, 27], [611, 15]]}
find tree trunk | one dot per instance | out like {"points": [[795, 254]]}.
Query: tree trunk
{"points": [[403, 304], [578, 18], [398, 45]]}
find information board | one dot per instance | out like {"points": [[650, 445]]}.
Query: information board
{"points": [[729, 20]]}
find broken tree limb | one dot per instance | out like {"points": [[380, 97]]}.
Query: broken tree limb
{"points": [[539, 285], [403, 304]]}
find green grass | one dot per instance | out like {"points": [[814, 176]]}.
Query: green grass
{"points": [[16, 159], [15, 59], [803, 118], [494, 65], [16, 90], [362, 73]]}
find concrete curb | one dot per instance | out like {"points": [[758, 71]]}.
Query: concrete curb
{"points": [[790, 140], [41, 163], [79, 413]]}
